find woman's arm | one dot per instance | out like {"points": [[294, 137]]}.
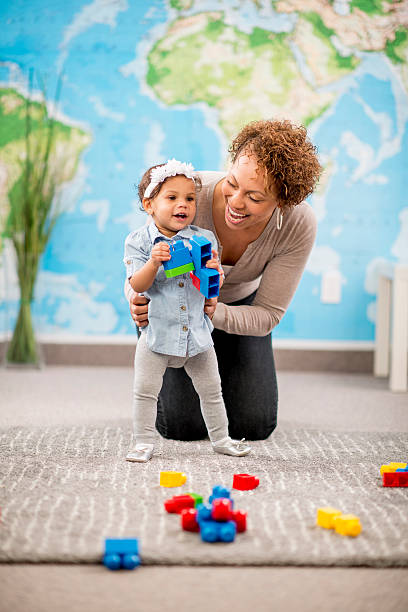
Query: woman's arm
{"points": [[280, 279]]}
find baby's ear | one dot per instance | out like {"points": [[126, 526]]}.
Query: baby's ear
{"points": [[146, 203]]}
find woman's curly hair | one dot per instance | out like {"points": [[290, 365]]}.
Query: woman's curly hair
{"points": [[285, 154]]}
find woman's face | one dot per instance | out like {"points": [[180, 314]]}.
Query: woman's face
{"points": [[247, 205]]}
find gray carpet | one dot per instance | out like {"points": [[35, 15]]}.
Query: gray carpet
{"points": [[65, 489]]}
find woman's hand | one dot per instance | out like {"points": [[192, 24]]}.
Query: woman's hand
{"points": [[139, 309], [209, 306]]}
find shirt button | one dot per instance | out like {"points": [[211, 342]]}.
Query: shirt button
{"points": [[181, 284], [182, 307], [185, 328]]}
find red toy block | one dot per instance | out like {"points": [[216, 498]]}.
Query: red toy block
{"points": [[245, 482], [196, 280], [395, 479], [240, 519], [189, 520], [177, 503], [221, 509]]}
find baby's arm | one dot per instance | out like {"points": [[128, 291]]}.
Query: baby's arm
{"points": [[143, 279]]}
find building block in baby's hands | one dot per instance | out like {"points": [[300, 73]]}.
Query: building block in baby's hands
{"points": [[172, 479], [180, 262], [244, 482], [206, 280], [325, 517], [121, 553], [347, 525]]}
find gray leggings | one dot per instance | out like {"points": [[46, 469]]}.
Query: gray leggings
{"points": [[148, 380]]}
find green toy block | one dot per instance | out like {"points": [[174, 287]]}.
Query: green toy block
{"points": [[180, 270], [198, 498]]}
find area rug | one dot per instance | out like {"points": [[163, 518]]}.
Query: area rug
{"points": [[63, 491]]}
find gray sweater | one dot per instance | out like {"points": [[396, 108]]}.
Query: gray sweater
{"points": [[273, 265]]}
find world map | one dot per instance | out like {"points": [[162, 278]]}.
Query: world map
{"points": [[147, 81]]}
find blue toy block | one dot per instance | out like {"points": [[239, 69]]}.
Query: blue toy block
{"points": [[402, 469], [121, 553], [219, 491], [211, 531], [180, 258], [203, 512], [209, 278]]}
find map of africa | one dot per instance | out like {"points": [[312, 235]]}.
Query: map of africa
{"points": [[147, 81]]}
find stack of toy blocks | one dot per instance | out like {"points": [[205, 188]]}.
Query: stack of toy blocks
{"points": [[206, 280], [394, 474], [180, 262], [216, 521]]}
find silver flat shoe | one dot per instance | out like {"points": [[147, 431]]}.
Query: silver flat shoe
{"points": [[235, 448], [140, 453]]}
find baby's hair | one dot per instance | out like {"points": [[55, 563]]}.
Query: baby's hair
{"points": [[145, 181], [286, 156]]}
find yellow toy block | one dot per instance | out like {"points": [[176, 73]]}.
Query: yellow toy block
{"points": [[172, 479], [347, 525], [326, 516], [392, 467]]}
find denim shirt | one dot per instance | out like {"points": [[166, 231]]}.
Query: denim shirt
{"points": [[177, 323]]}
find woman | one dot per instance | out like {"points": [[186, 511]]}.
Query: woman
{"points": [[265, 232]]}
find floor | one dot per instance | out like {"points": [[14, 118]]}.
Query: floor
{"points": [[69, 395]]}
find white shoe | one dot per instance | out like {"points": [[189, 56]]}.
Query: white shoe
{"points": [[236, 448], [140, 453]]}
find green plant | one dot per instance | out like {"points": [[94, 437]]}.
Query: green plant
{"points": [[34, 210]]}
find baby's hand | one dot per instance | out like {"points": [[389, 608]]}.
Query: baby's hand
{"points": [[215, 263], [160, 252]]}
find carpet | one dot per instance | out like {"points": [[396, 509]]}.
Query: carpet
{"points": [[64, 490]]}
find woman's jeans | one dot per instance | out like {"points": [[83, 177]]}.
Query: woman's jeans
{"points": [[249, 387]]}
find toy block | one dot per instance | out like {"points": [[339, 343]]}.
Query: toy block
{"points": [[197, 498], [347, 525], [180, 262], [392, 467], [244, 482], [221, 509], [177, 503], [395, 479], [204, 512], [219, 491], [211, 531], [240, 519], [178, 271], [172, 479], [200, 251], [196, 281], [189, 520], [121, 553], [325, 517], [209, 282]]}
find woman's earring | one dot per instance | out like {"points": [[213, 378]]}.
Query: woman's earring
{"points": [[279, 219]]}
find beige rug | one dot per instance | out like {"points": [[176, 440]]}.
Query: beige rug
{"points": [[64, 490]]}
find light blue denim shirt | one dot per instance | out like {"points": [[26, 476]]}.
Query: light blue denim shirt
{"points": [[177, 323]]}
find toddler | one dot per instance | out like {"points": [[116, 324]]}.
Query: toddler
{"points": [[178, 333]]}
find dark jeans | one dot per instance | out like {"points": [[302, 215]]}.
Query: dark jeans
{"points": [[249, 387]]}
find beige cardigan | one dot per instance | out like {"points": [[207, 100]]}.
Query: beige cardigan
{"points": [[273, 265]]}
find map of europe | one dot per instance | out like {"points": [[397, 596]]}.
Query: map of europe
{"points": [[147, 81]]}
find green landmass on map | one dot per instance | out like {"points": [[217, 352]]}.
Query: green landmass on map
{"points": [[244, 76], [69, 142]]}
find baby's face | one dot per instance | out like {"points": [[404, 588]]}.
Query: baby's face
{"points": [[174, 207]]}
